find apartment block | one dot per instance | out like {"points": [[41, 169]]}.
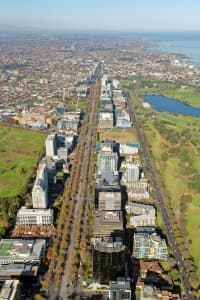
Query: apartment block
{"points": [[149, 246], [40, 188]]}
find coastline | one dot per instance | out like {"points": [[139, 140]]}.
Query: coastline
{"points": [[184, 44], [159, 47], [180, 56]]}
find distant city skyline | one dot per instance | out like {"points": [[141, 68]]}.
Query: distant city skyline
{"points": [[101, 15]]}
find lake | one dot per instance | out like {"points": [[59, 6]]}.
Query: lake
{"points": [[162, 103]]}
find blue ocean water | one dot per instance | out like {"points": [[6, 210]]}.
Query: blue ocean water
{"points": [[186, 43], [189, 45]]}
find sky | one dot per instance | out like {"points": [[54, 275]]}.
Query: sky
{"points": [[104, 15]]}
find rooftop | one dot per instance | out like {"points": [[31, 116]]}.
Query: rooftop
{"points": [[20, 249], [31, 211], [109, 244], [120, 283], [9, 289], [108, 223]]}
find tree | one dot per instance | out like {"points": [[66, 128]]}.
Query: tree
{"points": [[38, 297]]}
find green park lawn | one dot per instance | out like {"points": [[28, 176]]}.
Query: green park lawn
{"points": [[4, 247], [172, 170], [19, 152], [122, 136], [193, 226]]}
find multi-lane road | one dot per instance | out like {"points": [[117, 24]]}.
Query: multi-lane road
{"points": [[159, 198], [67, 288]]}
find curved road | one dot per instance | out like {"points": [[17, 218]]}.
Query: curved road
{"points": [[159, 197]]}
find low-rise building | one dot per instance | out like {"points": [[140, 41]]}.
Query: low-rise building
{"points": [[120, 289], [128, 149], [151, 272], [27, 216], [151, 292]]}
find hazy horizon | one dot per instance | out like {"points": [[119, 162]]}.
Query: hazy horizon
{"points": [[61, 15]]}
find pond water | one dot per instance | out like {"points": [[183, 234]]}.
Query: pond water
{"points": [[162, 103]]}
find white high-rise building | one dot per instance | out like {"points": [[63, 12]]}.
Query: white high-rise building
{"points": [[50, 145], [40, 188], [104, 80]]}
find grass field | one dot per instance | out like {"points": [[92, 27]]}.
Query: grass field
{"points": [[194, 231], [19, 151], [174, 150], [119, 135]]}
